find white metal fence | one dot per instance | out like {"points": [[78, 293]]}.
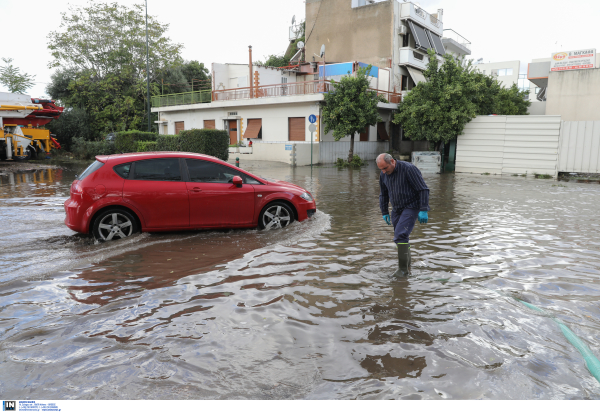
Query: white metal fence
{"points": [[580, 147], [509, 145], [330, 151]]}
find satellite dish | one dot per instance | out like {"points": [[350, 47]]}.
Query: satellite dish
{"points": [[322, 51], [294, 20], [300, 44]]}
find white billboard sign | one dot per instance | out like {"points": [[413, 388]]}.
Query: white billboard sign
{"points": [[573, 60]]}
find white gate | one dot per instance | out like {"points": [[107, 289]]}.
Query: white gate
{"points": [[580, 147], [509, 145]]}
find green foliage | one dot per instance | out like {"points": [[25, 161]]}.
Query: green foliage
{"points": [[542, 176], [206, 141], [276, 60], [100, 50], [83, 149], [147, 146], [182, 78], [127, 142], [13, 79], [355, 162], [72, 122], [511, 101], [350, 107], [439, 109]]}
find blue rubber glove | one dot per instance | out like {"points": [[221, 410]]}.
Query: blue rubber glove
{"points": [[423, 216], [387, 219]]}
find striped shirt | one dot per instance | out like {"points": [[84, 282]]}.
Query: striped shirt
{"points": [[404, 187]]}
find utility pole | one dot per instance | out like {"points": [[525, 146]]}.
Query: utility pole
{"points": [[147, 70], [250, 66]]}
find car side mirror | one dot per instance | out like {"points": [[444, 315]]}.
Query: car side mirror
{"points": [[237, 181]]}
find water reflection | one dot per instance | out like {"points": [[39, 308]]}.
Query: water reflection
{"points": [[309, 312]]}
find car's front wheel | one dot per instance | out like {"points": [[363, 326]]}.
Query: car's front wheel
{"points": [[276, 215], [114, 224]]}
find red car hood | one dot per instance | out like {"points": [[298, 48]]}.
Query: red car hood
{"points": [[285, 184]]}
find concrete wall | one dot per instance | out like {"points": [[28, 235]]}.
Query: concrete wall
{"points": [[350, 34], [574, 95], [579, 147], [509, 145], [537, 108]]}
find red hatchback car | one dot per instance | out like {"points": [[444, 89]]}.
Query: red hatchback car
{"points": [[119, 195]]}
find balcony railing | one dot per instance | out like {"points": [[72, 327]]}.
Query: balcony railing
{"points": [[273, 90], [176, 99], [452, 35], [411, 10]]}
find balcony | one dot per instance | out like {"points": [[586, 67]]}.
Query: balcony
{"points": [[455, 43], [242, 93], [421, 17], [413, 58]]}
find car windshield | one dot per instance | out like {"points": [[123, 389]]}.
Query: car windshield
{"points": [[90, 169]]}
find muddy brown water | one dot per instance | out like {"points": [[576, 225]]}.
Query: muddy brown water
{"points": [[309, 312]]}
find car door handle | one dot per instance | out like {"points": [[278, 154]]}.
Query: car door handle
{"points": [[196, 189]]}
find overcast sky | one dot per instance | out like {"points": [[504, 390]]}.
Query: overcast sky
{"points": [[221, 30]]}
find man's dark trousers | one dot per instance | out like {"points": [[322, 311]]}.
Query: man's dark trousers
{"points": [[403, 223]]}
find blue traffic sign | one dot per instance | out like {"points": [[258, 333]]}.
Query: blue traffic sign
{"points": [[312, 118]]}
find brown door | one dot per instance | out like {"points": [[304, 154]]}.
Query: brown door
{"points": [[209, 124], [364, 136], [381, 132], [296, 127], [233, 132], [179, 127]]}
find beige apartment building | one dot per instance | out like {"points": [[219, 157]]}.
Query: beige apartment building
{"points": [[387, 33]]}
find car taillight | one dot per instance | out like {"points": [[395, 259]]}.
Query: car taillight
{"points": [[76, 188]]}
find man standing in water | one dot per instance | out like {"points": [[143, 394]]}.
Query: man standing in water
{"points": [[402, 184]]}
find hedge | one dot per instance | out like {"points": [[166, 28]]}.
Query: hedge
{"points": [[146, 146], [84, 149], [127, 142], [206, 141]]}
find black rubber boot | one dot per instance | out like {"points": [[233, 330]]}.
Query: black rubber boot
{"points": [[403, 260]]}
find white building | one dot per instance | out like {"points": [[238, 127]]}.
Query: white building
{"points": [[275, 116]]}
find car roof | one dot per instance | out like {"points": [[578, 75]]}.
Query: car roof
{"points": [[132, 157]]}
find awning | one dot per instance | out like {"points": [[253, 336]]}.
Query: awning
{"points": [[421, 39], [383, 135], [416, 75], [253, 128], [437, 43]]}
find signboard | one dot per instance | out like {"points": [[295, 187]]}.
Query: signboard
{"points": [[573, 60], [288, 147], [312, 118], [312, 128]]}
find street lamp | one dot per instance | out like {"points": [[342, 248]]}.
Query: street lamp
{"points": [[147, 70]]}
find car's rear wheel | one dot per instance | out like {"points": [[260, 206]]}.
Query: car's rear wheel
{"points": [[276, 215], [114, 224]]}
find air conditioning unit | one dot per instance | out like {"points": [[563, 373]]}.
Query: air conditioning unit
{"points": [[402, 30]]}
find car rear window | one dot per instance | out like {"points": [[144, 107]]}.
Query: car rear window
{"points": [[158, 169], [90, 169], [123, 170]]}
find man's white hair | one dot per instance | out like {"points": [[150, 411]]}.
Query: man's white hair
{"points": [[386, 157]]}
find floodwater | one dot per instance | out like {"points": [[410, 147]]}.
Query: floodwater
{"points": [[308, 312]]}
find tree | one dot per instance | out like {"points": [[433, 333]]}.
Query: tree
{"points": [[101, 51], [350, 107], [104, 38], [439, 109], [13, 79]]}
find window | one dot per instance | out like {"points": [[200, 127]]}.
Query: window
{"points": [[158, 169], [505, 72], [209, 172], [537, 90], [484, 72], [179, 126], [123, 170], [90, 169]]}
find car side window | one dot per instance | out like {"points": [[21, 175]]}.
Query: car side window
{"points": [[123, 170], [158, 169], [209, 172]]}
